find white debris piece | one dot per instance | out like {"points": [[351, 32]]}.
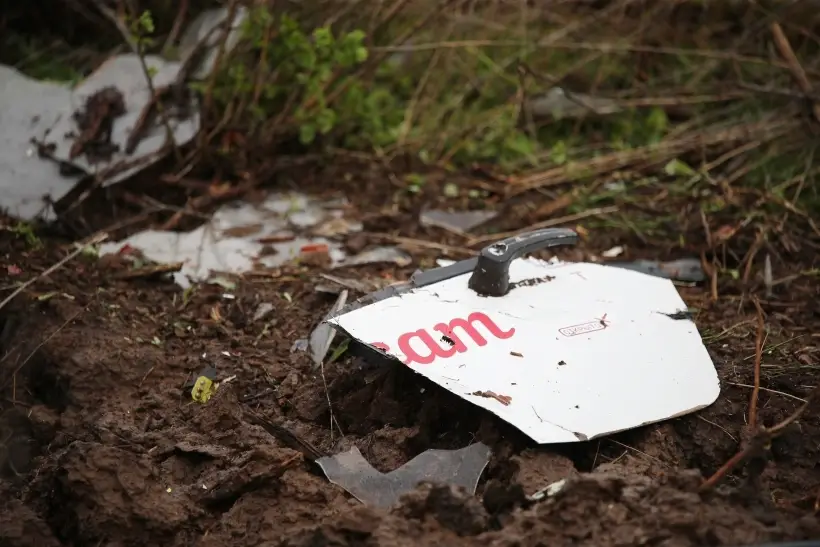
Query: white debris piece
{"points": [[576, 351], [237, 237], [43, 112]]}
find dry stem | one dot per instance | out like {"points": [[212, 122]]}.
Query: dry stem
{"points": [[758, 443], [758, 357]]}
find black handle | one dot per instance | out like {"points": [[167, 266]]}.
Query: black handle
{"points": [[491, 276]]}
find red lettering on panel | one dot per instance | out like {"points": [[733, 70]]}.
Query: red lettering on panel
{"points": [[433, 346], [468, 327], [423, 348]]}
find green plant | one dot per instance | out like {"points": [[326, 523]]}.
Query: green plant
{"points": [[305, 82], [26, 231]]}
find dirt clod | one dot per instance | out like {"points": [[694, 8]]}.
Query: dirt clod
{"points": [[536, 469], [95, 121]]}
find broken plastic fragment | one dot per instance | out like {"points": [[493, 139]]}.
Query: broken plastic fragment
{"points": [[239, 237], [613, 252], [300, 344], [392, 255], [34, 175], [205, 27], [360, 285], [29, 110], [322, 335], [684, 269], [456, 221], [264, 309], [558, 103], [352, 472], [336, 227], [205, 385], [549, 491], [681, 315]]}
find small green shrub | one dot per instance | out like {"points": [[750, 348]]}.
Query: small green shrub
{"points": [[306, 81]]}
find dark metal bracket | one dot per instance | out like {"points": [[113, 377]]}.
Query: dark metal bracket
{"points": [[491, 276]]}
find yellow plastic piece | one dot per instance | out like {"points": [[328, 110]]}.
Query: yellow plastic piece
{"points": [[203, 389]]}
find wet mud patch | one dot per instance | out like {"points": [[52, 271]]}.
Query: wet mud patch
{"points": [[613, 506], [102, 444]]}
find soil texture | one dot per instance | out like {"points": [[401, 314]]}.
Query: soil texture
{"points": [[102, 444]]}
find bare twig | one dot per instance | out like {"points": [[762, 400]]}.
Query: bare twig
{"points": [[137, 46], [769, 390], [758, 357], [758, 443], [330, 404], [284, 435], [586, 46], [799, 74], [663, 151], [380, 55], [182, 12], [710, 269], [422, 244], [598, 211], [220, 54]]}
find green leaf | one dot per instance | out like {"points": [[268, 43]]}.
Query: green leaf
{"points": [[558, 153], [325, 121], [339, 351], [307, 133], [146, 22], [323, 38], [677, 168]]}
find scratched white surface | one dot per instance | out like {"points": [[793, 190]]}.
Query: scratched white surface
{"points": [[643, 367]]}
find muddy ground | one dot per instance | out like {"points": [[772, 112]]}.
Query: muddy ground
{"points": [[101, 444]]}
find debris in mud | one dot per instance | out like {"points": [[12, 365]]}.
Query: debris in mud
{"points": [[459, 222], [322, 335], [202, 38], [653, 370], [503, 399], [592, 510], [262, 311], [613, 252], [360, 285], [315, 254], [204, 386], [559, 103], [95, 121], [391, 255], [148, 271], [680, 315], [240, 237], [42, 157], [352, 472], [336, 227], [548, 492], [30, 109], [685, 269], [537, 469]]}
